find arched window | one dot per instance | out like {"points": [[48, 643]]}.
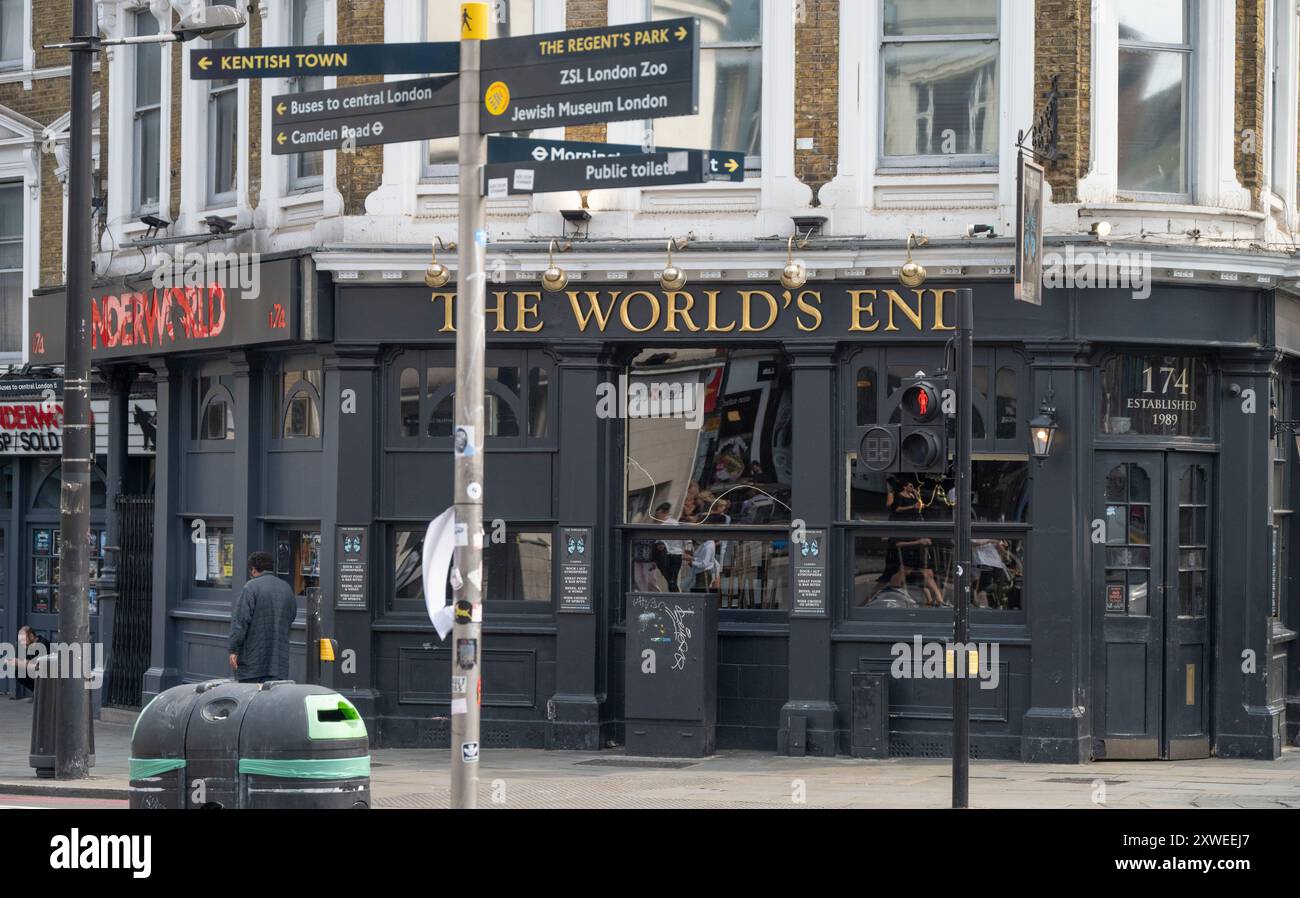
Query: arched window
{"points": [[217, 419], [47, 494], [298, 393]]}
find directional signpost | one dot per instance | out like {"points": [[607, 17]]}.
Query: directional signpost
{"points": [[365, 115], [621, 73], [336, 59]]}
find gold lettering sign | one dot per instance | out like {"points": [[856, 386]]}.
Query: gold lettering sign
{"points": [[752, 310]]}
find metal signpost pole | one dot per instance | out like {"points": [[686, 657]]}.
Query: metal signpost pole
{"points": [[467, 570], [72, 738], [965, 563]]}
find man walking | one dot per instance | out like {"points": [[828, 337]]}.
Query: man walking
{"points": [[259, 626]]}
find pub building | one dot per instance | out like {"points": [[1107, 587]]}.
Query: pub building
{"points": [[1132, 579]]}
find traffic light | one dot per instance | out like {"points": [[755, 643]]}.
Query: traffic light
{"points": [[923, 431]]}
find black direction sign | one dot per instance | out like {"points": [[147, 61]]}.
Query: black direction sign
{"points": [[647, 70], [365, 129], [334, 59], [640, 170], [395, 111], [719, 165]]}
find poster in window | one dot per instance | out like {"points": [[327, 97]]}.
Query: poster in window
{"points": [[92, 599], [201, 561], [94, 569], [58, 542], [54, 571], [1029, 232], [41, 542], [283, 554], [1115, 597], [214, 556], [41, 600], [227, 560], [41, 574]]}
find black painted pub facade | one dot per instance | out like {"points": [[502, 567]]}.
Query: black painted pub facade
{"points": [[1134, 583]]}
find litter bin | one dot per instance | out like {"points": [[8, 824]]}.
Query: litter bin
{"points": [[45, 721], [222, 744]]}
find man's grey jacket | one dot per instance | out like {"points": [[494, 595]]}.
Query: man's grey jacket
{"points": [[259, 628]]}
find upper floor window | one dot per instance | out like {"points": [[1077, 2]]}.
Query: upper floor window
{"points": [[939, 82], [148, 116], [12, 33], [1283, 13], [731, 78], [11, 267], [307, 28], [1155, 53], [223, 129], [441, 23]]}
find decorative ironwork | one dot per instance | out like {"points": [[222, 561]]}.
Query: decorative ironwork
{"points": [[1045, 133], [133, 620]]}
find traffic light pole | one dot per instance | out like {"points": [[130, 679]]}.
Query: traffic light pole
{"points": [[965, 561], [467, 571], [72, 736]]}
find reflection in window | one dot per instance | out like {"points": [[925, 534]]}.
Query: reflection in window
{"points": [[731, 78], [297, 559], [1156, 395], [1155, 49], [539, 384], [147, 115], [1127, 493], [906, 571], [940, 84], [409, 402], [213, 556], [1005, 410], [500, 398], [218, 420], [1193, 542], [865, 389], [517, 570], [708, 437], [47, 496], [212, 408], [299, 394], [999, 493], [746, 574]]}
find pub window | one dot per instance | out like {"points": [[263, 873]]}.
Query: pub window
{"points": [[11, 266], [47, 549], [212, 565], [906, 570], [511, 18], [939, 84], [1154, 394], [47, 494], [147, 166], [223, 129], [307, 28], [731, 78], [297, 559], [6, 484], [298, 401], [708, 437], [212, 407], [865, 391], [516, 397], [744, 574], [1128, 539], [1280, 490], [516, 572], [1155, 54]]}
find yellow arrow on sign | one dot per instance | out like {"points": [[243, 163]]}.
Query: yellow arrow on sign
{"points": [[205, 62], [280, 107], [681, 32], [280, 138], [731, 165]]}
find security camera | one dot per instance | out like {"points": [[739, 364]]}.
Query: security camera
{"points": [[1234, 389], [974, 230]]}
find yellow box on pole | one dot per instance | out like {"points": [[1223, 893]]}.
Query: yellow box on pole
{"points": [[473, 21]]}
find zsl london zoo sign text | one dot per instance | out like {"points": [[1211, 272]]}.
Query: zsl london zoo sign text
{"points": [[721, 311]]}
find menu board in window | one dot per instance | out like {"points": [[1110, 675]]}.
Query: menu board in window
{"points": [[1154, 394]]}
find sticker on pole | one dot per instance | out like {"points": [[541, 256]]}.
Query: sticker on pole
{"points": [[469, 752], [464, 440]]}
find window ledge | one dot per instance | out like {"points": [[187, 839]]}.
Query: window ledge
{"points": [[1167, 210], [927, 175]]}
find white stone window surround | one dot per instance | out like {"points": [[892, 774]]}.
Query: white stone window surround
{"points": [[20, 162], [764, 202], [1282, 47], [1212, 126], [404, 191], [301, 208], [194, 147], [862, 186], [117, 21]]}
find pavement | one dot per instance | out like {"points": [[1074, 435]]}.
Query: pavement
{"points": [[525, 778]]}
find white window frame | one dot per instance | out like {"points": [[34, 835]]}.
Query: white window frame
{"points": [[196, 202], [1212, 168], [26, 60], [137, 172], [1281, 112], [914, 161], [294, 181], [1189, 50], [20, 163]]}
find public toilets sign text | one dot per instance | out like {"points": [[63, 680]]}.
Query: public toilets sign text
{"points": [[721, 311]]}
